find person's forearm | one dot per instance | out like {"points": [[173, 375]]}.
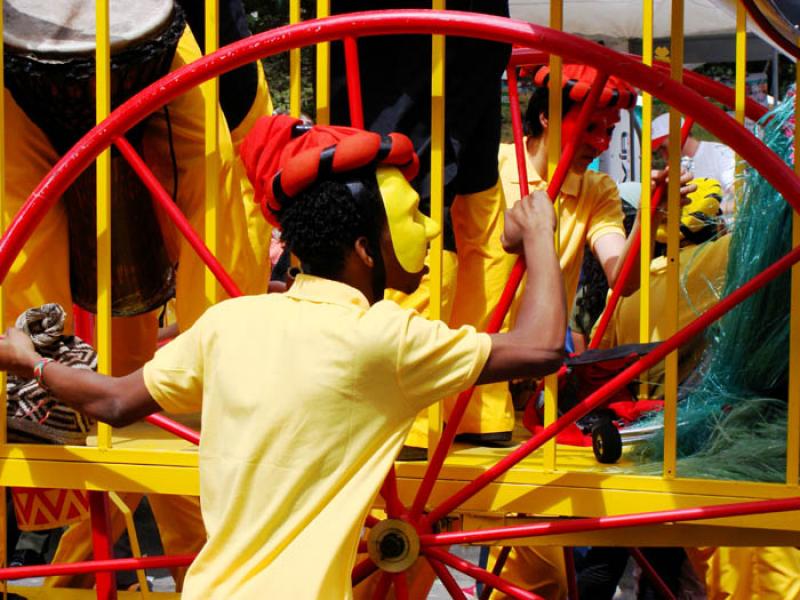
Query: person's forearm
{"points": [[98, 396], [542, 317]]}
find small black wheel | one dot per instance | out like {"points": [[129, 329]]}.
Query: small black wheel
{"points": [[606, 443]]}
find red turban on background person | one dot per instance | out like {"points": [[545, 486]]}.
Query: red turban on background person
{"points": [[577, 80]]}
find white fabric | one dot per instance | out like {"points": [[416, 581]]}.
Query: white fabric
{"points": [[715, 161], [660, 127]]}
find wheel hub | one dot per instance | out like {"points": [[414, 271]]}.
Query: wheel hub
{"points": [[393, 545]]}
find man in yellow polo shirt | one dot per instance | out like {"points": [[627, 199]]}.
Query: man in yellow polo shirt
{"points": [[306, 397]]}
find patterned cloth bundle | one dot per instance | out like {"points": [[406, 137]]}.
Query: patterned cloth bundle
{"points": [[33, 413]]}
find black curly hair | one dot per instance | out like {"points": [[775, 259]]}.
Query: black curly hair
{"points": [[321, 224], [538, 104]]}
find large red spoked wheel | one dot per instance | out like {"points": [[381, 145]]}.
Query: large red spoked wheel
{"points": [[409, 530]]}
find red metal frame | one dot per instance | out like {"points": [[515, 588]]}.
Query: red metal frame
{"points": [[509, 292], [167, 204], [572, 49], [632, 257], [434, 554], [102, 544], [96, 566], [353, 74], [558, 527]]}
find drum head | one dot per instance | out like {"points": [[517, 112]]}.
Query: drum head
{"points": [[66, 28]]}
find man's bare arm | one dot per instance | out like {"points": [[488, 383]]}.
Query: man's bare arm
{"points": [[535, 344], [117, 401]]}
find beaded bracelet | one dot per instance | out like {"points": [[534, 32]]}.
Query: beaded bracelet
{"points": [[38, 371]]}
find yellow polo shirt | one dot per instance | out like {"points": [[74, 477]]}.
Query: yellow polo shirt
{"points": [[306, 399], [589, 208]]}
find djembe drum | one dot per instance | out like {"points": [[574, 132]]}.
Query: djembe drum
{"points": [[50, 71]]}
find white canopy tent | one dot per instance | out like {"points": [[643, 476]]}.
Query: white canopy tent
{"points": [[709, 28], [712, 23], [622, 19]]}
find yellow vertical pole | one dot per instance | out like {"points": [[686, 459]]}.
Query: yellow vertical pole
{"points": [[644, 211], [323, 71], [103, 107], [211, 103], [435, 414], [740, 84], [793, 424], [295, 73], [3, 517], [673, 242], [741, 60], [553, 156]]}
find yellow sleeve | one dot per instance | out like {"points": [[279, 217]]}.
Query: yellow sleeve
{"points": [[606, 216], [174, 376], [434, 361]]}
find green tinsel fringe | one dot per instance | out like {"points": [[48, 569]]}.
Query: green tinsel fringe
{"points": [[732, 417]]}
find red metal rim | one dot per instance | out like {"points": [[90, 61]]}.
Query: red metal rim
{"points": [[569, 47]]}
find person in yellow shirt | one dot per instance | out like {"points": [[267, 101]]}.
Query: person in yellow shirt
{"points": [[173, 147], [306, 396]]}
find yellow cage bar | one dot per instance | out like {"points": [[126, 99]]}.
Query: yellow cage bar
{"points": [[645, 194], [435, 411], [143, 462], [212, 121], [553, 156], [103, 108]]}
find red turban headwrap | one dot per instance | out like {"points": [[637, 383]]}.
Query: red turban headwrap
{"points": [[283, 158], [577, 79]]}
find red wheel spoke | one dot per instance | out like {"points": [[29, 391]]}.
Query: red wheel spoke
{"points": [[396, 22], [363, 570], [633, 254], [436, 554], [362, 547], [506, 298], [496, 570], [605, 391], [179, 429], [568, 152], [394, 508], [651, 574], [166, 202], [102, 543], [447, 579], [572, 578], [400, 582], [516, 127], [94, 566], [558, 527], [353, 76], [382, 588]]}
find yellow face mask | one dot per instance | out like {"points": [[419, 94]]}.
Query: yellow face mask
{"points": [[410, 229]]}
